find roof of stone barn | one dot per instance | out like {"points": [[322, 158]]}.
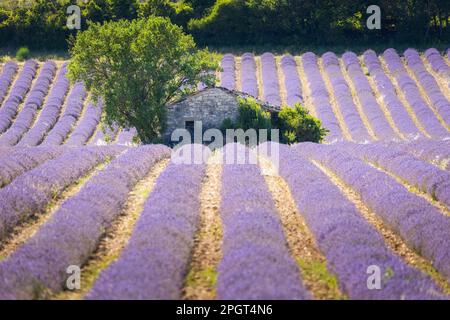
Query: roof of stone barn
{"points": [[238, 94]]}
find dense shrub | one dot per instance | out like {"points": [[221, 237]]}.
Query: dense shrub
{"points": [[23, 53], [250, 116], [297, 125]]}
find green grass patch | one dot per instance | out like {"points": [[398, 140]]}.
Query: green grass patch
{"points": [[207, 275], [316, 271]]}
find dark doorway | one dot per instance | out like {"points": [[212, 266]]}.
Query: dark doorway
{"points": [[189, 126]]}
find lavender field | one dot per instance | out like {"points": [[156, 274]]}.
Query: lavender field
{"points": [[321, 223]]}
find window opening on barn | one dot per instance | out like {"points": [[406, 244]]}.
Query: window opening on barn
{"points": [[189, 126]]}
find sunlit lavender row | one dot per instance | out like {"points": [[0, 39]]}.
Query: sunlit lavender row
{"points": [[385, 97], [256, 261]]}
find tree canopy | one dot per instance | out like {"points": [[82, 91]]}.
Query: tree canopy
{"points": [[41, 23], [137, 67]]}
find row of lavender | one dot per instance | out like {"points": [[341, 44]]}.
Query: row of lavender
{"points": [[435, 152], [417, 173], [73, 232], [438, 101], [320, 97], [271, 90], [390, 124], [269, 75], [30, 192], [51, 127], [6, 78], [32, 103], [256, 262], [420, 224], [413, 97], [437, 62], [291, 80], [50, 111], [41, 109], [154, 262], [385, 87], [348, 241], [17, 94], [369, 104]]}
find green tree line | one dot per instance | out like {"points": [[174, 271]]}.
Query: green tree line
{"points": [[42, 23]]}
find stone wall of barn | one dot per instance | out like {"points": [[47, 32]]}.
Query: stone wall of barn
{"points": [[210, 106]]}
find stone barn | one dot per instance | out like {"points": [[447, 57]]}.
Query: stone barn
{"points": [[210, 106]]}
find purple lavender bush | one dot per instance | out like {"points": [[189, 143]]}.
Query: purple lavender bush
{"points": [[105, 134], [228, 75], [249, 82], [6, 78], [397, 110], [437, 62], [50, 111], [20, 160], [271, 86], [291, 80], [126, 136], [87, 125], [321, 98], [154, 262], [369, 104], [438, 100], [420, 224], [17, 94], [72, 112], [433, 151], [32, 104], [30, 193], [348, 241], [417, 173], [256, 263], [76, 227], [412, 94], [344, 98]]}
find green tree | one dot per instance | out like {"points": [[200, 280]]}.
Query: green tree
{"points": [[138, 67], [123, 9], [96, 10], [297, 125], [200, 6], [179, 12]]}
